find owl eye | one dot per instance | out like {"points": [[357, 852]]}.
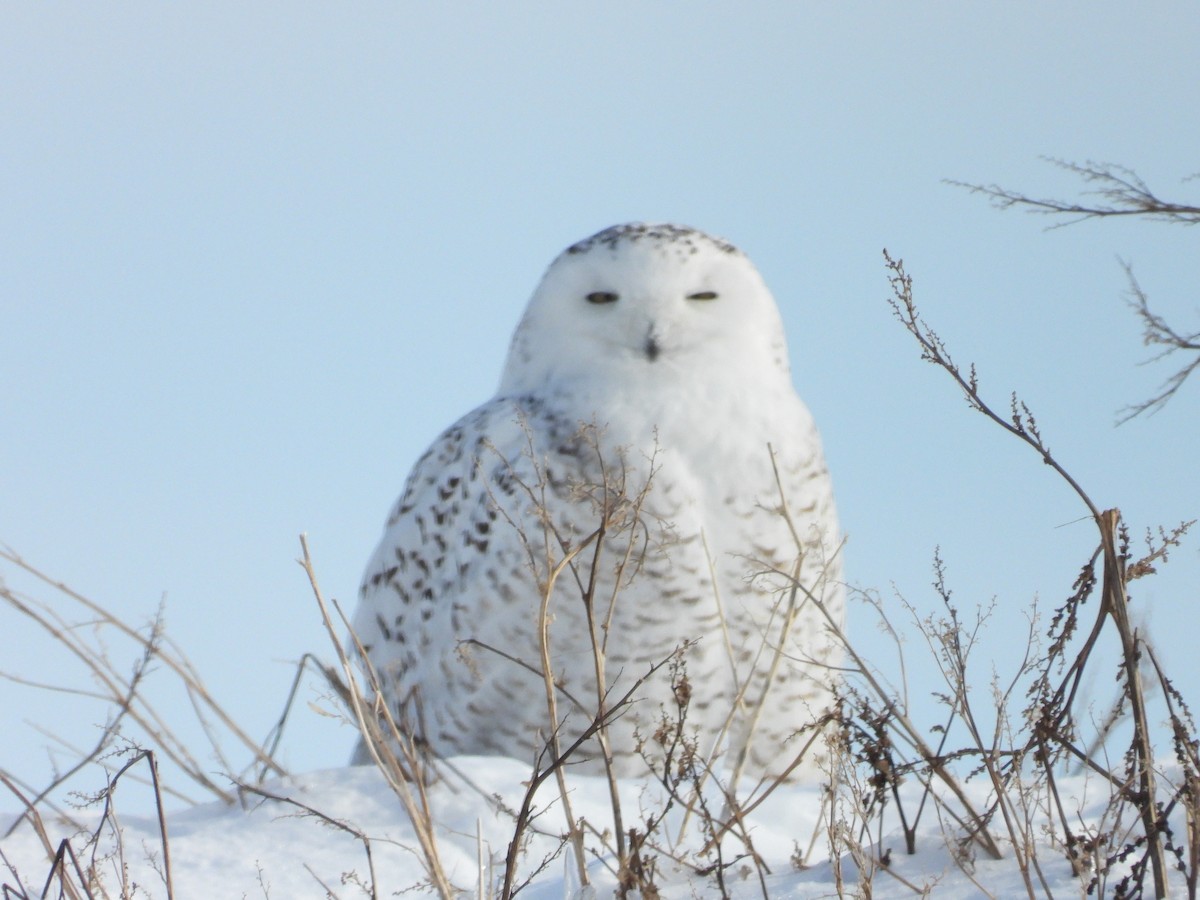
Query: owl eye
{"points": [[601, 297], [703, 295]]}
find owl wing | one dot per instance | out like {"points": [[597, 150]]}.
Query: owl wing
{"points": [[449, 565]]}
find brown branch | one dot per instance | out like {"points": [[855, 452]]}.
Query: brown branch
{"points": [[339, 824], [1116, 602], [1156, 332], [1020, 423], [1117, 191]]}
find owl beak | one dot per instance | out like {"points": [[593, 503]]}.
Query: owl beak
{"points": [[652, 345]]}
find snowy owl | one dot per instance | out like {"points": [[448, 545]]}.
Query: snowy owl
{"points": [[645, 481]]}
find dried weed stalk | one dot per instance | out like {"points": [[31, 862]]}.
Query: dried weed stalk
{"points": [[103, 857], [391, 745], [1053, 733]]}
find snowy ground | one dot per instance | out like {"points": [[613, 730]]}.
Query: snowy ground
{"points": [[275, 849]]}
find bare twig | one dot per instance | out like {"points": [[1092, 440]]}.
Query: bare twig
{"points": [[551, 765], [378, 742], [107, 814], [1117, 191], [56, 856], [339, 824], [123, 690], [1157, 333]]}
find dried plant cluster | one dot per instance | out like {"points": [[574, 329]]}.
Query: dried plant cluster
{"points": [[1022, 756], [1018, 740]]}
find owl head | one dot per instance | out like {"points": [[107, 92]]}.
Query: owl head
{"points": [[648, 303]]}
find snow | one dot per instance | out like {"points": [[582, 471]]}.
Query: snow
{"points": [[275, 848]]}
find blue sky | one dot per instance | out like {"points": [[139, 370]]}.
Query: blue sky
{"points": [[257, 257]]}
